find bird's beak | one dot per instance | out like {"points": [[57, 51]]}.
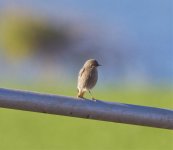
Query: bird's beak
{"points": [[99, 65]]}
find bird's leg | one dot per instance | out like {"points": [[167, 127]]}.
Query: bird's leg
{"points": [[91, 95], [80, 94]]}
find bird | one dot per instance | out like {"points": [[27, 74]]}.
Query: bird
{"points": [[87, 78]]}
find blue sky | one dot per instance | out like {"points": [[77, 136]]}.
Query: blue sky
{"points": [[148, 25]]}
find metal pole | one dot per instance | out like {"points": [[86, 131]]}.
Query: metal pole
{"points": [[83, 108]]}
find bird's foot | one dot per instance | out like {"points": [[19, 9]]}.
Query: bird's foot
{"points": [[93, 99], [80, 98]]}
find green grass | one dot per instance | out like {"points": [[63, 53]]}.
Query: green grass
{"points": [[21, 130]]}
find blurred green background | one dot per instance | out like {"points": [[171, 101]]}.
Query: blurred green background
{"points": [[35, 131], [43, 44]]}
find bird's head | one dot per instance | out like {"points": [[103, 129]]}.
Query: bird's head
{"points": [[91, 63]]}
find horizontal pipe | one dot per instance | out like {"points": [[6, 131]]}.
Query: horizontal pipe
{"points": [[83, 108]]}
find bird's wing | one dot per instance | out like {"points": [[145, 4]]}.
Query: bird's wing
{"points": [[81, 72], [80, 76]]}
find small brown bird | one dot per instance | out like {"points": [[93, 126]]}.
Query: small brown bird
{"points": [[87, 78]]}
